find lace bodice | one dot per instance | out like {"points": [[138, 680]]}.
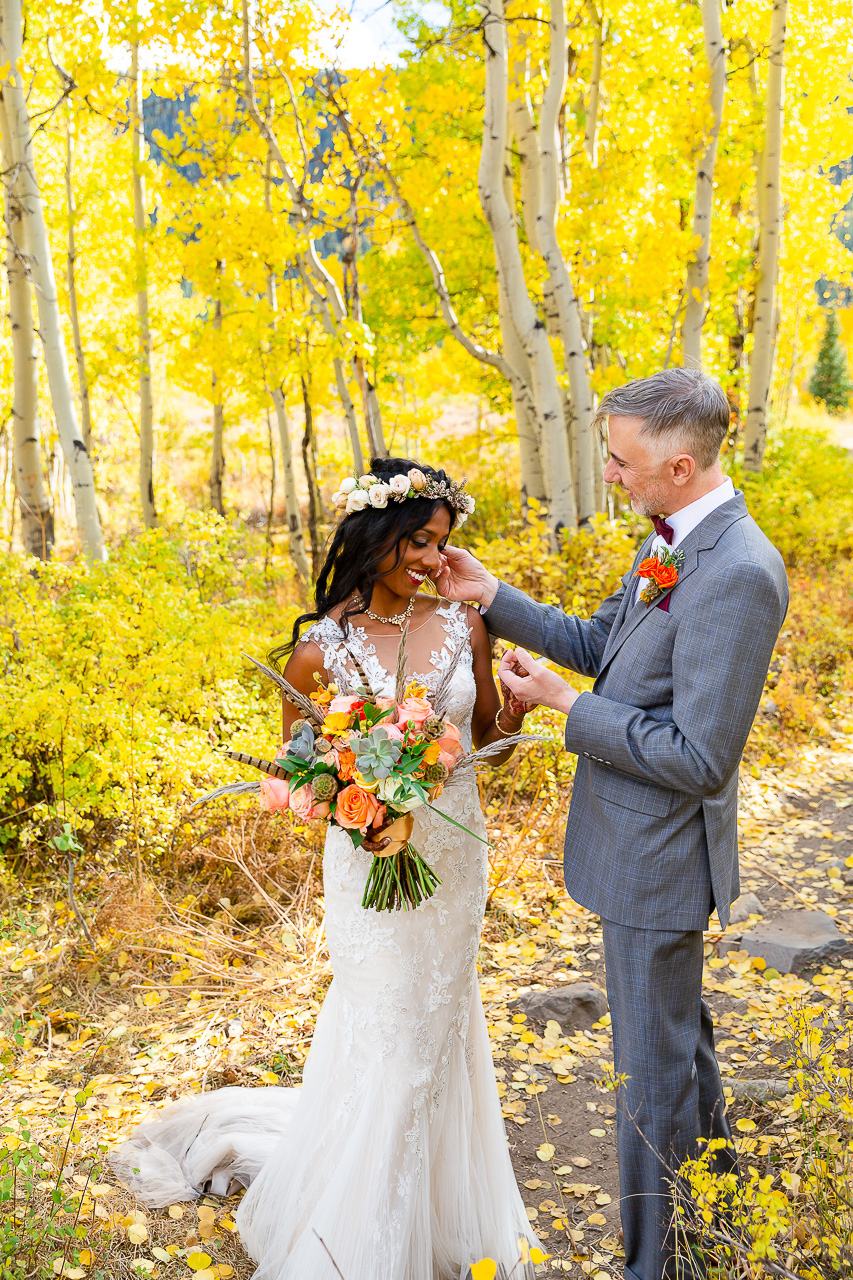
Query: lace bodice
{"points": [[446, 629]]}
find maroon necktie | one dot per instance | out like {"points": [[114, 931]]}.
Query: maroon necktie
{"points": [[667, 532]]}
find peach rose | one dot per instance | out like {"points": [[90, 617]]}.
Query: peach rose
{"points": [[414, 711], [344, 702], [275, 794], [451, 741], [384, 704], [355, 808], [393, 731], [303, 804]]}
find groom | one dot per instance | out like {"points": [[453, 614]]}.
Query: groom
{"points": [[651, 841]]}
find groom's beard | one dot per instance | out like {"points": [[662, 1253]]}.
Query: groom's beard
{"points": [[653, 502]]}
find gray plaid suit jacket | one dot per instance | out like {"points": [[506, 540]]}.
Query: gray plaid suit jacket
{"points": [[651, 839]]}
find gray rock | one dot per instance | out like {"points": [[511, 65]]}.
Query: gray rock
{"points": [[792, 939], [838, 863], [758, 1090], [745, 906], [578, 1004]]}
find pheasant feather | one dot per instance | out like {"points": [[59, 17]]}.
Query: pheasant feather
{"points": [[305, 705], [356, 662], [231, 789], [257, 762]]}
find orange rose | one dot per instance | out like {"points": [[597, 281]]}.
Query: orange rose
{"points": [[666, 576], [648, 568], [355, 808]]}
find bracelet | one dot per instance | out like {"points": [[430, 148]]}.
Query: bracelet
{"points": [[505, 733]]}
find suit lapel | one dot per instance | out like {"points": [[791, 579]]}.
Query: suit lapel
{"points": [[704, 537]]}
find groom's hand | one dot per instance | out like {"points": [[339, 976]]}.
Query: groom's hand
{"points": [[540, 685], [462, 577]]}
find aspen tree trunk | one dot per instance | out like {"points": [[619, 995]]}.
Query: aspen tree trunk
{"points": [[217, 456], [71, 278], [703, 203], [562, 290], [36, 513], [146, 389], [524, 127], [296, 536], [591, 126], [320, 283], [370, 403], [532, 476], [770, 206], [531, 332], [309, 460], [19, 132]]}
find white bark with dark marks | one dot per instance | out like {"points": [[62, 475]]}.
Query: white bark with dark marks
{"points": [[703, 204], [770, 206], [18, 129]]}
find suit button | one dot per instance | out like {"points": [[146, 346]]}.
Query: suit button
{"points": [[609, 762]]}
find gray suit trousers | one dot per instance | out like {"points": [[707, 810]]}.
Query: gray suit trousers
{"points": [[663, 1043]]}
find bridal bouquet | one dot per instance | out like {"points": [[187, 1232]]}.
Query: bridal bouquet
{"points": [[358, 760]]}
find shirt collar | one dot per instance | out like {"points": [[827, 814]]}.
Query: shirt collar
{"points": [[686, 520]]}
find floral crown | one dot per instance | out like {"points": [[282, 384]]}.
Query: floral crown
{"points": [[368, 491]]}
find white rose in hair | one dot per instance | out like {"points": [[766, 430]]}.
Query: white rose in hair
{"points": [[357, 501], [367, 481], [347, 486], [417, 479], [399, 485], [379, 495], [339, 499]]}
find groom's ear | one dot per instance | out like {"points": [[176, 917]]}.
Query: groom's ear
{"points": [[683, 466]]}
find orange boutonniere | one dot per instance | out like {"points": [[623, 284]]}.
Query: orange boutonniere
{"points": [[661, 571]]}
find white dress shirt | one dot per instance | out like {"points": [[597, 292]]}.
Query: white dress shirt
{"points": [[685, 521]]}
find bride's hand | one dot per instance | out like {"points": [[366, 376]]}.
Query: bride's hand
{"points": [[462, 577], [515, 707], [539, 684]]}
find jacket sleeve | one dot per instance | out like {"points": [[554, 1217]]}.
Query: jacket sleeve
{"points": [[577, 643], [719, 664]]}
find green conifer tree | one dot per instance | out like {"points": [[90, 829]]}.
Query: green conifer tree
{"points": [[830, 384]]}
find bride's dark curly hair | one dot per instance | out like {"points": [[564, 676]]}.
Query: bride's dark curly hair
{"points": [[359, 542]]}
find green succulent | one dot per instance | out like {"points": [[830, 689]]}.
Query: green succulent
{"points": [[376, 755]]}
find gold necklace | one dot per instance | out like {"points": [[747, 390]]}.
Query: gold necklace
{"points": [[398, 620]]}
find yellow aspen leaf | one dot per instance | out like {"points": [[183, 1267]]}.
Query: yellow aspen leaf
{"points": [[485, 1269], [536, 1255], [546, 1151], [176, 1210], [198, 1261], [206, 1213], [137, 1233], [224, 1270], [86, 1257], [598, 1133], [745, 1126], [161, 1255], [597, 1220]]}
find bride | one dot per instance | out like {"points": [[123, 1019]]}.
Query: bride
{"points": [[391, 1161]]}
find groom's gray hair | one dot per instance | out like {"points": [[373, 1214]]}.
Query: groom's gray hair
{"points": [[679, 408]]}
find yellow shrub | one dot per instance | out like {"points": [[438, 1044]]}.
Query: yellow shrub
{"points": [[120, 682]]}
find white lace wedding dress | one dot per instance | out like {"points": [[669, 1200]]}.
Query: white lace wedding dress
{"points": [[392, 1156]]}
